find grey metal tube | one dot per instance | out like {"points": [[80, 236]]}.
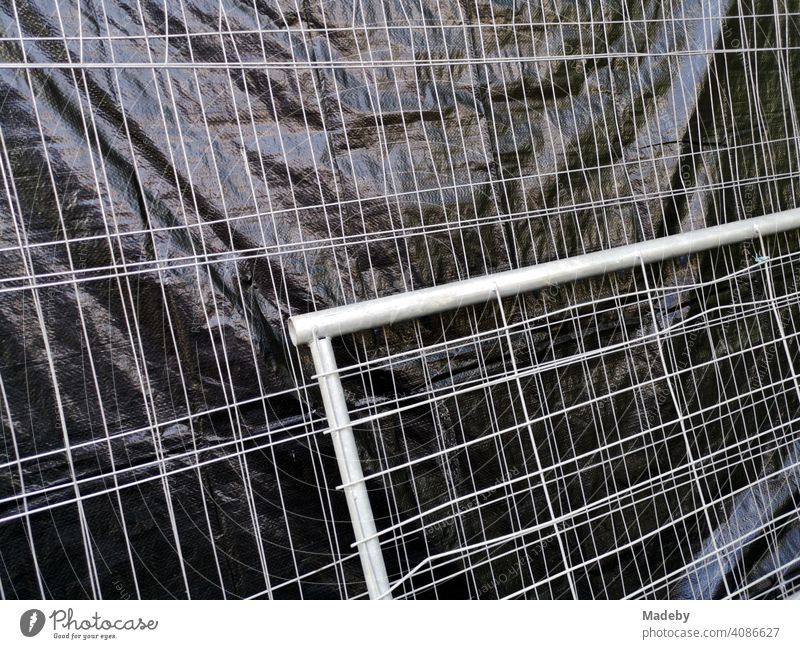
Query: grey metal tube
{"points": [[447, 297], [355, 490]]}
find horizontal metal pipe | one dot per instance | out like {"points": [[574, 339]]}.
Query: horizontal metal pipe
{"points": [[447, 297]]}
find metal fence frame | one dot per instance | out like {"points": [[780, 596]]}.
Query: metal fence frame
{"points": [[316, 330]]}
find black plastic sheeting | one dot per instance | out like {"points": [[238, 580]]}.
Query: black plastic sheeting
{"points": [[283, 161]]}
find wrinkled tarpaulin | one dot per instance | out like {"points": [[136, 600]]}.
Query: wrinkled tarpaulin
{"points": [[175, 186]]}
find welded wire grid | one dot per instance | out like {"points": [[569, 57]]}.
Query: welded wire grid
{"points": [[501, 477], [178, 178]]}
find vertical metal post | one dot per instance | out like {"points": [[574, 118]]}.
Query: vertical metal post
{"points": [[355, 491]]}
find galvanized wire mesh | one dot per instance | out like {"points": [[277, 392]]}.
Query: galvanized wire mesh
{"points": [[178, 178]]}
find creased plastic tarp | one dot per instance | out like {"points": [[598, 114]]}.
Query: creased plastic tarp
{"points": [[281, 161]]}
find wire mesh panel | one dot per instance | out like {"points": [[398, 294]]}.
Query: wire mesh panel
{"points": [[633, 436], [178, 178]]}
